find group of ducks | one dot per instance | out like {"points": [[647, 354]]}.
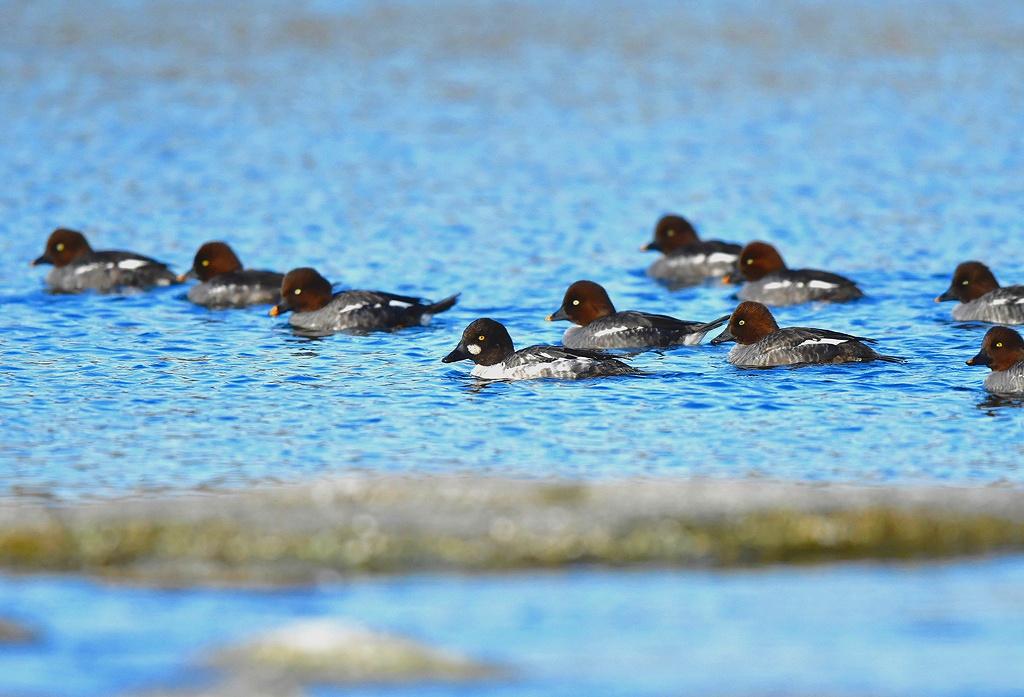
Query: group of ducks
{"points": [[596, 325]]}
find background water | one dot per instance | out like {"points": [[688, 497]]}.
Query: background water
{"points": [[505, 150]]}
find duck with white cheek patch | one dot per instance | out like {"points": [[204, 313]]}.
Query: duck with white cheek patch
{"points": [[1002, 350], [771, 282], [760, 343], [76, 267], [596, 324], [316, 308], [688, 260], [981, 298], [223, 283], [488, 344]]}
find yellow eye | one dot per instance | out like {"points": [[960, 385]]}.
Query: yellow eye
{"points": [[999, 345], [671, 233], [206, 262], [298, 291], [748, 262], [575, 302], [966, 283], [60, 247], [742, 322], [481, 338]]}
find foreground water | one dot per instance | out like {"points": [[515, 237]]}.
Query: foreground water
{"points": [[932, 630]]}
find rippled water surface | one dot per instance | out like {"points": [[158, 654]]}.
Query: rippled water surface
{"points": [[504, 151]]}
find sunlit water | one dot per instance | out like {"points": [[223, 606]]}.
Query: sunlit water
{"points": [[505, 150]]}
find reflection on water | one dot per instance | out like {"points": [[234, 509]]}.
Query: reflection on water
{"points": [[996, 405]]}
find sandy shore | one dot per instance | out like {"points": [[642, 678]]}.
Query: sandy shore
{"points": [[355, 525]]}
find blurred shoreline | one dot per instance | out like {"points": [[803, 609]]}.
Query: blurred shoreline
{"points": [[340, 527]]}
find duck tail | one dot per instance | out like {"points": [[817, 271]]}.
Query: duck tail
{"points": [[713, 324], [441, 305]]}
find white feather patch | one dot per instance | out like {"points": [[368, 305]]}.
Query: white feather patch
{"points": [[610, 330], [776, 285], [353, 307], [1000, 301], [822, 284], [399, 303], [823, 340], [132, 264], [474, 349], [721, 258], [562, 368]]}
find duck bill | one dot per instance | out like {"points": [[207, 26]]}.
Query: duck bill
{"points": [[191, 273], [981, 359], [948, 295], [280, 309], [45, 259], [457, 354], [724, 337], [559, 314], [651, 247]]}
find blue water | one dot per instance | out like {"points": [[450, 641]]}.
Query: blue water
{"points": [[505, 150], [866, 630]]}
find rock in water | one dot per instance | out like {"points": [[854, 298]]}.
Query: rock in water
{"points": [[328, 651]]}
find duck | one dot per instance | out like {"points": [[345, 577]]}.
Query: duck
{"points": [[981, 298], [223, 283], [771, 282], [1002, 350], [488, 344], [596, 324], [688, 260], [316, 308], [760, 343], [77, 268]]}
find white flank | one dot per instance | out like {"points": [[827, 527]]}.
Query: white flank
{"points": [[822, 284], [350, 308], [498, 371], [474, 349], [721, 258], [815, 342], [132, 264], [610, 330], [561, 368]]}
